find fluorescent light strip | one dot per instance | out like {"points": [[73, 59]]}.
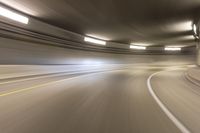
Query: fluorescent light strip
{"points": [[14, 16], [195, 29], [172, 49], [96, 41], [137, 47]]}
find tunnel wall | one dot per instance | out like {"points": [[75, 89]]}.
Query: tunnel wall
{"points": [[41, 43], [20, 52], [39, 32], [198, 54]]}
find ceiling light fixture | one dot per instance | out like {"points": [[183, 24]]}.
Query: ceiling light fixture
{"points": [[96, 41], [14, 16], [100, 37], [195, 29], [137, 47], [172, 49]]}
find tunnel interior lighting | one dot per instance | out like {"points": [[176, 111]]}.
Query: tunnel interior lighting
{"points": [[96, 41], [172, 49], [195, 29], [100, 37], [179, 26], [141, 44], [14, 16], [137, 47]]}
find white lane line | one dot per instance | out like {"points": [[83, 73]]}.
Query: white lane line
{"points": [[178, 124]]}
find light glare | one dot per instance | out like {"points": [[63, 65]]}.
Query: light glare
{"points": [[98, 36], [180, 26], [137, 47], [96, 41], [141, 44], [14, 16], [195, 29], [172, 49]]}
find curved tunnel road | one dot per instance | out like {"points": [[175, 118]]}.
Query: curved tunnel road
{"points": [[181, 97], [108, 102]]}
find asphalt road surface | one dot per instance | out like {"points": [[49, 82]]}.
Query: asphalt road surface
{"points": [[116, 101]]}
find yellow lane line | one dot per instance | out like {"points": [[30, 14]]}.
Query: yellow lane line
{"points": [[34, 87], [46, 84], [39, 77], [27, 79]]}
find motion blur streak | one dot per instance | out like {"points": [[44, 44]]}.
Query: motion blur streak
{"points": [[56, 78], [113, 100]]}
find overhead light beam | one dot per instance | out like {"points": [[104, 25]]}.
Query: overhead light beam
{"points": [[172, 49], [137, 47], [96, 41], [14, 16], [195, 29]]}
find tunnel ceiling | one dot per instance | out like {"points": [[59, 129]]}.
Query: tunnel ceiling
{"points": [[151, 22]]}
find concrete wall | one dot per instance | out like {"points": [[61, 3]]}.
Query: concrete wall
{"points": [[21, 52], [40, 32], [35, 44], [198, 55]]}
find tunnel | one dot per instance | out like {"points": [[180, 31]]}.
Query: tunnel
{"points": [[99, 66]]}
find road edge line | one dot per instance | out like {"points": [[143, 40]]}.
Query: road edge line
{"points": [[178, 124]]}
